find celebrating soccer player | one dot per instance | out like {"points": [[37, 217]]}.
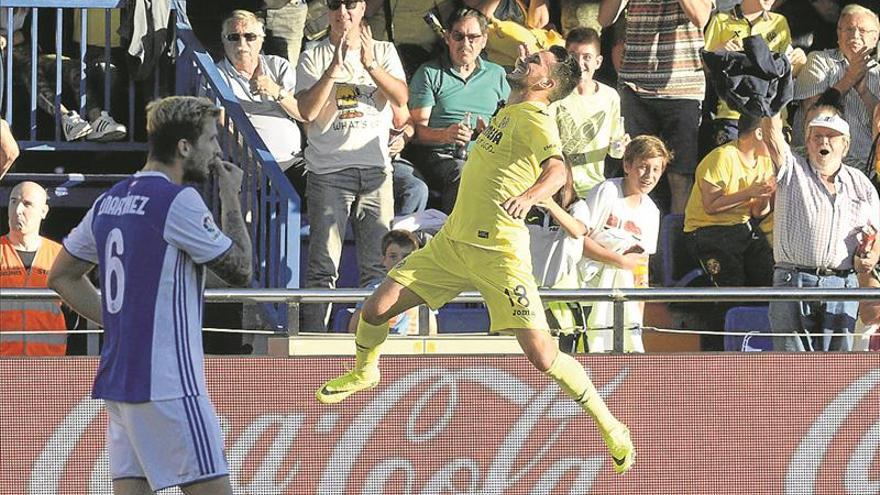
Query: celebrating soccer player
{"points": [[515, 163]]}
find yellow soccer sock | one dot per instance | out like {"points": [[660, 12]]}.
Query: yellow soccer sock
{"points": [[573, 379], [368, 342]]}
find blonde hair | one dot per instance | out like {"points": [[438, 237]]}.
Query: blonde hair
{"points": [[174, 118], [646, 146], [243, 16]]}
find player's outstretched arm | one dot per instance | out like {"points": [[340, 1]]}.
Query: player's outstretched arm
{"points": [[68, 278], [235, 266], [551, 179]]}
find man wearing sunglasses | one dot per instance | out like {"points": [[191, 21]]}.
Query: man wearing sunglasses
{"points": [[263, 84], [515, 163], [346, 87], [443, 91]]}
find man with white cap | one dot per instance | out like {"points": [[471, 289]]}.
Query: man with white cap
{"points": [[821, 209]]}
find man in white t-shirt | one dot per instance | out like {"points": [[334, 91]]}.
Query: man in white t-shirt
{"points": [[346, 86], [589, 117]]}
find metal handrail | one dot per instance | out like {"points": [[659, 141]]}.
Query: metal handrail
{"points": [[677, 294], [295, 297]]}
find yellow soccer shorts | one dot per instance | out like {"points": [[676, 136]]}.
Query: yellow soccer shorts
{"points": [[445, 268]]}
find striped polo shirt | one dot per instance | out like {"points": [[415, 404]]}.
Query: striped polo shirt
{"points": [[823, 70], [662, 55], [815, 228]]}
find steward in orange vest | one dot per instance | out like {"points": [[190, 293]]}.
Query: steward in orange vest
{"points": [[17, 315]]}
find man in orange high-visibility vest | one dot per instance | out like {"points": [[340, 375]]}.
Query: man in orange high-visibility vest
{"points": [[25, 260]]}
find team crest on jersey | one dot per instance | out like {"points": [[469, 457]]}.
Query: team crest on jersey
{"points": [[210, 227]]}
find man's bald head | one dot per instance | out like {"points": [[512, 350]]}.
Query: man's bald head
{"points": [[28, 207], [28, 187]]}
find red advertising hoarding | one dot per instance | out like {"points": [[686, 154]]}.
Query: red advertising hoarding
{"points": [[765, 423]]}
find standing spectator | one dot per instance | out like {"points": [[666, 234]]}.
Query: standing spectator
{"points": [[443, 91], [623, 229], [285, 22], [151, 239], [25, 260], [820, 208], [104, 127], [726, 30], [346, 87], [852, 70], [589, 117], [8, 148], [661, 81], [734, 187], [263, 84]]}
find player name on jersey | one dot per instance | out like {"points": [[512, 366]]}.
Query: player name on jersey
{"points": [[127, 205]]}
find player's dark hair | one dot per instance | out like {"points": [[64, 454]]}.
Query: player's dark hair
{"points": [[566, 73], [463, 13], [584, 36], [402, 238], [174, 118]]}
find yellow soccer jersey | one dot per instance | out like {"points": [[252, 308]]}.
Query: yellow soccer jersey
{"points": [[723, 167], [725, 26], [503, 163]]}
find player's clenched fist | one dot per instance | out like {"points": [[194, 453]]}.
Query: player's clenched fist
{"points": [[518, 206]]}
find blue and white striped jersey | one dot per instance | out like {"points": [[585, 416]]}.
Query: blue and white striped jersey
{"points": [[149, 238]]}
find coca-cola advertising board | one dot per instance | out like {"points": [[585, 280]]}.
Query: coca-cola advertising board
{"points": [[792, 424]]}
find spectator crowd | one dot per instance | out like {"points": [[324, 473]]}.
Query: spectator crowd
{"points": [[755, 123]]}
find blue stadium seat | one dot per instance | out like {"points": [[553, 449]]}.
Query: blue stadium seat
{"points": [[462, 320], [678, 268], [341, 317], [753, 319]]}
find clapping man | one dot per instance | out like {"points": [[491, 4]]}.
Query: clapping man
{"points": [[346, 87]]}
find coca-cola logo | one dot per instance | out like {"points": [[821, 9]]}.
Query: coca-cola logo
{"points": [[481, 425], [434, 389], [803, 474]]}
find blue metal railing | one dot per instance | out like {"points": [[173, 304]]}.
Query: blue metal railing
{"points": [[56, 141], [271, 205]]}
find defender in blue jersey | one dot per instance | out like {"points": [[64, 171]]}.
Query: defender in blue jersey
{"points": [[151, 239]]}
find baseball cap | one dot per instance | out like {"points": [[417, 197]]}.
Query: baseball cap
{"points": [[831, 122]]}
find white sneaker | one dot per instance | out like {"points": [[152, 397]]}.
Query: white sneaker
{"points": [[104, 128], [74, 126]]}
